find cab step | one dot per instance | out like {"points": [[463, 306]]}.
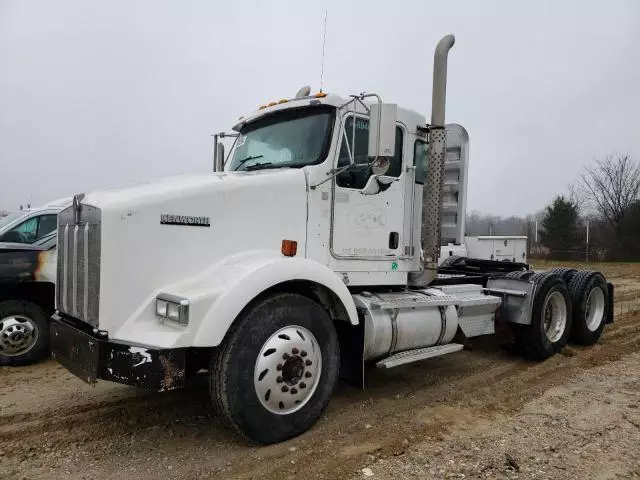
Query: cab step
{"points": [[418, 354]]}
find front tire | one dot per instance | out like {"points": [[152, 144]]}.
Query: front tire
{"points": [[24, 333], [274, 374]]}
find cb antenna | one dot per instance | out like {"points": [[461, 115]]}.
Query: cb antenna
{"points": [[324, 42]]}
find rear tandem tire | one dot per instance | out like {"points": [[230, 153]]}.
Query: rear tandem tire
{"points": [[520, 275], [566, 273], [590, 297], [274, 374], [550, 325]]}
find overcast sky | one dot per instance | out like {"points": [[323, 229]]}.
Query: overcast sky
{"points": [[94, 94]]}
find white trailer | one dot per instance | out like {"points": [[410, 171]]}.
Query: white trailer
{"points": [[310, 253]]}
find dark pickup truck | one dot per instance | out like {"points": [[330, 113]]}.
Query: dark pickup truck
{"points": [[27, 296]]}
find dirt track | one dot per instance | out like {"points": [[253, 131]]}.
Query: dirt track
{"points": [[483, 413]]}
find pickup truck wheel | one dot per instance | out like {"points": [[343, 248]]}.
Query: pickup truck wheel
{"points": [[590, 297], [274, 374], [24, 333], [550, 325]]}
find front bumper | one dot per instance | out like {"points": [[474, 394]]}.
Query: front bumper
{"points": [[91, 357]]}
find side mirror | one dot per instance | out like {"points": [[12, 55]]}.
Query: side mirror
{"points": [[218, 158], [382, 130]]}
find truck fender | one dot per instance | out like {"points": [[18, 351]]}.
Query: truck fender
{"points": [[252, 275]]}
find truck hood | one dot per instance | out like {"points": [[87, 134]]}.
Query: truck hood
{"points": [[163, 189], [157, 234]]}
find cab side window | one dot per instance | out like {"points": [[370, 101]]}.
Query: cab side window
{"points": [[357, 176], [420, 160]]}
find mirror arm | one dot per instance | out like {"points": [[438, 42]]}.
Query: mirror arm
{"points": [[215, 147], [334, 172]]}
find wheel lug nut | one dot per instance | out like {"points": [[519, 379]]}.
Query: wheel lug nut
{"points": [[285, 388], [302, 385], [307, 375], [295, 351], [285, 356], [303, 353], [293, 391], [279, 367], [279, 380], [308, 363]]}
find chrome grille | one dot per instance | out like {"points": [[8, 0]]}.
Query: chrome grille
{"points": [[78, 276]]}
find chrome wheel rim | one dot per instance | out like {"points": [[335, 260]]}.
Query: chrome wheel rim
{"points": [[594, 309], [18, 335], [554, 314], [287, 370]]}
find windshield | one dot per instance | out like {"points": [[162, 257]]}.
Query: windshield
{"points": [[9, 218], [292, 138]]}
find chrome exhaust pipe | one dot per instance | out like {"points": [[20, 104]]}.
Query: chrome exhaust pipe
{"points": [[433, 188]]}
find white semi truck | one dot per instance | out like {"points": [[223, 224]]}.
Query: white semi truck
{"points": [[310, 254]]}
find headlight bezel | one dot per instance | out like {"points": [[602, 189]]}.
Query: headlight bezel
{"points": [[172, 308]]}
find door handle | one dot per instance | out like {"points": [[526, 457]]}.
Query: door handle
{"points": [[394, 239]]}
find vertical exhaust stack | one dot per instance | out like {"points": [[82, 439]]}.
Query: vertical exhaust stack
{"points": [[432, 192]]}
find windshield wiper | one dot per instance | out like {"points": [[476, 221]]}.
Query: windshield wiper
{"points": [[258, 166], [246, 159], [265, 165]]}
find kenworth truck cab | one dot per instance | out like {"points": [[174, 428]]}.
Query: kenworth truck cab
{"points": [[310, 253]]}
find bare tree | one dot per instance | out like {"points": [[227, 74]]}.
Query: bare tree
{"points": [[611, 186], [578, 196]]}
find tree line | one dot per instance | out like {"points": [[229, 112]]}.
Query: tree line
{"points": [[598, 218]]}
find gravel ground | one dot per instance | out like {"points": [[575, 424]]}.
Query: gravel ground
{"points": [[479, 413], [589, 427]]}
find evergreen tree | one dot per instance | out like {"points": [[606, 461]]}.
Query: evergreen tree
{"points": [[560, 229], [628, 234]]}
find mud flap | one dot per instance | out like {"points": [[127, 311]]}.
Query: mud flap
{"points": [[351, 338], [91, 358], [609, 318]]}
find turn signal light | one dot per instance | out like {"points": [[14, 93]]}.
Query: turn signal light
{"points": [[289, 248]]}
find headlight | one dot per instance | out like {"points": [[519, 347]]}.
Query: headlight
{"points": [[173, 311], [161, 308], [172, 307]]}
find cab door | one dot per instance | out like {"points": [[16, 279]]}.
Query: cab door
{"points": [[368, 211]]}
